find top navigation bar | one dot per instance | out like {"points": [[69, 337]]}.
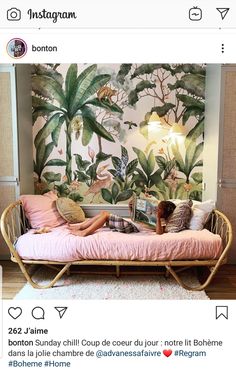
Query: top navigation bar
{"points": [[129, 14]]}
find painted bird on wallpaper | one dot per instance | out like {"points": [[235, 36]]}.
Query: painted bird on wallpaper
{"points": [[104, 180], [106, 92], [76, 126], [131, 124]]}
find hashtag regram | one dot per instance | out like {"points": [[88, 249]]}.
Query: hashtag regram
{"points": [[190, 354]]}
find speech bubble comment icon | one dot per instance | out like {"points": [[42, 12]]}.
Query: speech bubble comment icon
{"points": [[38, 313]]}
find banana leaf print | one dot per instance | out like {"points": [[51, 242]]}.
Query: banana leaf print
{"points": [[92, 138], [124, 178], [186, 165], [63, 104]]}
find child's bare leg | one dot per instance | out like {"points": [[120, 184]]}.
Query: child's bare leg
{"points": [[97, 223], [83, 225], [77, 226]]}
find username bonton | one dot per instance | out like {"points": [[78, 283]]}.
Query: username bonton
{"points": [[44, 48]]}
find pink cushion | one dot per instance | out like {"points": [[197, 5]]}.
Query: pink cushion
{"points": [[41, 210]]}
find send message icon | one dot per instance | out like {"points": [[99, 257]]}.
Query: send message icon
{"points": [[61, 311]]}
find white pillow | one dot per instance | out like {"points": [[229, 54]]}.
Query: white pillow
{"points": [[201, 213], [177, 201]]}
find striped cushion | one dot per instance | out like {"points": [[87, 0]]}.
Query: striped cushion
{"points": [[180, 218]]}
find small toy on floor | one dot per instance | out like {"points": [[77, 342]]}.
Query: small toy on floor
{"points": [[42, 230]]}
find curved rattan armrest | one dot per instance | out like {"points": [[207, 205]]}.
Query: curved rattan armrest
{"points": [[220, 224], [13, 224]]}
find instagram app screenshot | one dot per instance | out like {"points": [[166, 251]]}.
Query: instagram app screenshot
{"points": [[117, 184]]}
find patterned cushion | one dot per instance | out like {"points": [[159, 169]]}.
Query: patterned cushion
{"points": [[70, 210], [179, 219]]}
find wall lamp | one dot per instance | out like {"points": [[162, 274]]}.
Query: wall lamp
{"points": [[156, 122]]}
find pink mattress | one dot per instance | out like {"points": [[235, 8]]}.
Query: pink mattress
{"points": [[60, 245]]}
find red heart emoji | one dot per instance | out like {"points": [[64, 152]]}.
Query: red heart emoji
{"points": [[167, 352]]}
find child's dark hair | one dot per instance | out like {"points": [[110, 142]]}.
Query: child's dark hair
{"points": [[167, 207]]}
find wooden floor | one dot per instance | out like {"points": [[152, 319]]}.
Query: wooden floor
{"points": [[222, 287]]}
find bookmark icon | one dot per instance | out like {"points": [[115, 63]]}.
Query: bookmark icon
{"points": [[222, 311]]}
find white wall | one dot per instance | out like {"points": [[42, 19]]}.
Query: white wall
{"points": [[24, 121], [23, 139], [211, 131]]}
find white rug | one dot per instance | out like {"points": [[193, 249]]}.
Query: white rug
{"points": [[109, 287]]}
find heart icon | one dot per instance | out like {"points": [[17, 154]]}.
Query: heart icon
{"points": [[167, 352], [15, 312]]}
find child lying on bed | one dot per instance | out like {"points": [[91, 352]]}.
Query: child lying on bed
{"points": [[116, 223]]}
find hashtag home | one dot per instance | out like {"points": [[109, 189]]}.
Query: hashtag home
{"points": [[44, 14]]}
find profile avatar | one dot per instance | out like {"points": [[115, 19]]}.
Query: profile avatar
{"points": [[16, 48]]}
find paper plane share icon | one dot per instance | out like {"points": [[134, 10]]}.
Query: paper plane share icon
{"points": [[61, 311], [223, 12]]}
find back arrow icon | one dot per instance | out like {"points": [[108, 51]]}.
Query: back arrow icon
{"points": [[223, 12]]}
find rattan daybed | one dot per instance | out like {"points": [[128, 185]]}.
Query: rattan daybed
{"points": [[14, 224]]}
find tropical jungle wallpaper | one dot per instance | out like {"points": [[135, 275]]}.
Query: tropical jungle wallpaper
{"points": [[93, 141]]}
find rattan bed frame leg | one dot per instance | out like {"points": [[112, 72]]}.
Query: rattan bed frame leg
{"points": [[50, 285], [167, 273], [197, 288], [117, 271]]}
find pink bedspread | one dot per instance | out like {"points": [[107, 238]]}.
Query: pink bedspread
{"points": [[60, 245]]}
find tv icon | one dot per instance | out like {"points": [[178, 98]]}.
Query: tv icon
{"points": [[13, 14], [195, 14]]}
